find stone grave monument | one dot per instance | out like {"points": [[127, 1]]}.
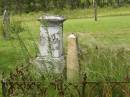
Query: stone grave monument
{"points": [[51, 57]]}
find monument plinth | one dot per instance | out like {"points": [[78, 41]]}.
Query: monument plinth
{"points": [[51, 55]]}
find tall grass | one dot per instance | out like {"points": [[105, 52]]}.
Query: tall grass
{"points": [[98, 61], [101, 60], [1, 29], [105, 63]]}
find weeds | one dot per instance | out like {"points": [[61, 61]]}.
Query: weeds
{"points": [[98, 62], [16, 28], [105, 63], [1, 29]]}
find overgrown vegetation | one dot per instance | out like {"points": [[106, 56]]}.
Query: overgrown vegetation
{"points": [[16, 27], [102, 63], [1, 29], [104, 52], [100, 33], [27, 81]]}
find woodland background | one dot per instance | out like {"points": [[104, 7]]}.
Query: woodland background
{"points": [[20, 6]]}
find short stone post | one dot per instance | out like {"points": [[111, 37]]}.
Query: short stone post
{"points": [[51, 55], [4, 90], [6, 24], [72, 59]]}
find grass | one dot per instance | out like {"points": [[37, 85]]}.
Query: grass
{"points": [[105, 24], [110, 32], [107, 31], [105, 43]]}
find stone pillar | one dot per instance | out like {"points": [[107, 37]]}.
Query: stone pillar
{"points": [[51, 44], [6, 24], [72, 59]]}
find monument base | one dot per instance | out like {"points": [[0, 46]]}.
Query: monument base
{"points": [[51, 65]]}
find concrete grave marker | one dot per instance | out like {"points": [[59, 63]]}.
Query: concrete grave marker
{"points": [[72, 59], [51, 42]]}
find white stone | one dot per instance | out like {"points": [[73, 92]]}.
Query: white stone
{"points": [[71, 36], [55, 41], [51, 43]]}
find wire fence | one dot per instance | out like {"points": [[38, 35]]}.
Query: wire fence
{"points": [[61, 88]]}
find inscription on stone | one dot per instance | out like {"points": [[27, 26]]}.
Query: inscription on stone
{"points": [[51, 41], [54, 36]]}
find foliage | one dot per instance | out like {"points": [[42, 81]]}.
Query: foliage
{"points": [[36, 5], [26, 81], [99, 61], [16, 28], [1, 29], [104, 63]]}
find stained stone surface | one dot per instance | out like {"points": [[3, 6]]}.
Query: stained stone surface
{"points": [[72, 59], [51, 43], [52, 65], [55, 36]]}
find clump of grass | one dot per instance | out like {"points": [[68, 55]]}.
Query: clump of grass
{"points": [[105, 63], [16, 27], [1, 29], [106, 90]]}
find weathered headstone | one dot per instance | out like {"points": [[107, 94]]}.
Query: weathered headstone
{"points": [[6, 24], [72, 59], [51, 44]]}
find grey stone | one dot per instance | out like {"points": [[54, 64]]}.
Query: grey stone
{"points": [[6, 24], [51, 43]]}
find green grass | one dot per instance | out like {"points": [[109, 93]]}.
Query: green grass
{"points": [[108, 30], [111, 32], [105, 25], [104, 44]]}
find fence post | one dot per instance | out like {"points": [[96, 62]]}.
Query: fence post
{"points": [[72, 59], [84, 85], [4, 89], [127, 84]]}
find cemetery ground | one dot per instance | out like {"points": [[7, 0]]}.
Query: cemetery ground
{"points": [[104, 46]]}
